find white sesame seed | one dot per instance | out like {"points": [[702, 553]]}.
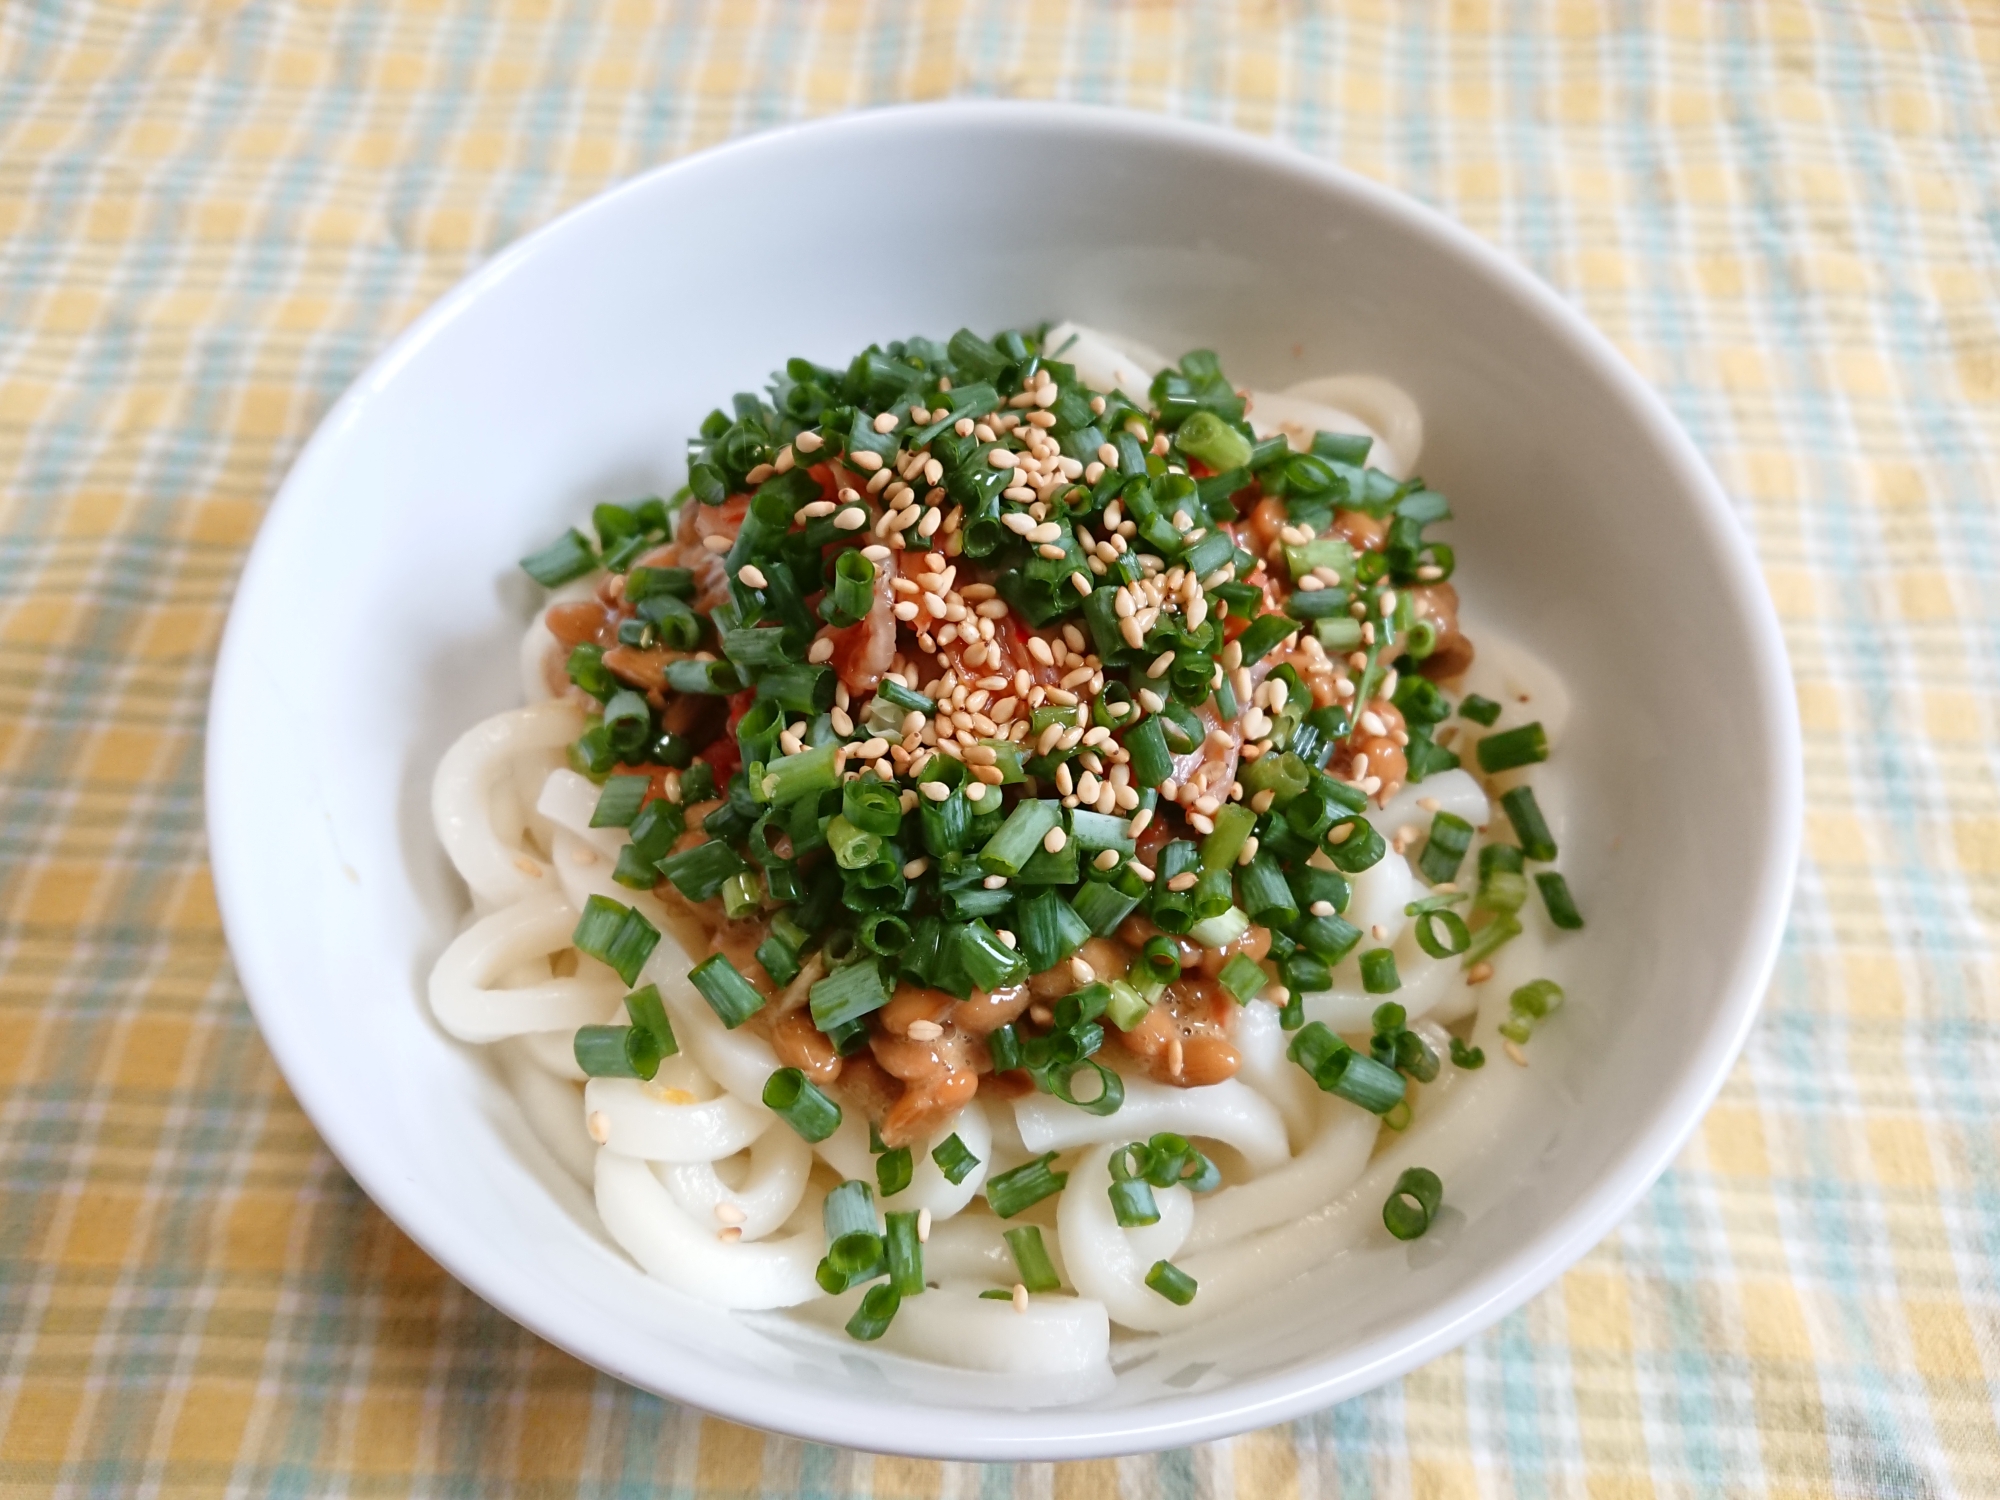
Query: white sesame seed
{"points": [[924, 1031], [599, 1126], [851, 519], [730, 1213], [1514, 1055], [923, 1226], [1185, 881], [1002, 458], [717, 544], [751, 577], [1054, 840], [1020, 1298]]}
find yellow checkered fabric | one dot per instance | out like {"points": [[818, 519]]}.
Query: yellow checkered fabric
{"points": [[213, 213]]}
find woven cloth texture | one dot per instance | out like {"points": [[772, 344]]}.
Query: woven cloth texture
{"points": [[213, 214]]}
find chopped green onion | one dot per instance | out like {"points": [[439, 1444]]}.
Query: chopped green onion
{"points": [[1262, 634], [907, 699], [650, 1016], [1094, 832], [1132, 1201], [1207, 437], [851, 594], [1104, 904], [616, 1052], [693, 675], [1361, 848], [1159, 961], [1232, 830], [1031, 1259], [1466, 1057], [1490, 938], [1221, 930], [877, 1311], [848, 994], [1505, 751], [1265, 894], [1050, 930], [1445, 849], [953, 1159], [1530, 827], [700, 872], [1479, 710], [1025, 1186], [906, 1253], [1244, 978], [893, 1171], [733, 998], [1360, 1079], [1127, 1007], [987, 961], [1556, 897], [1529, 1004], [1502, 887], [620, 800], [1378, 972], [790, 1095], [615, 934], [1110, 1095], [1171, 1282], [1147, 745], [1020, 836], [568, 556], [1456, 936], [1413, 1203]]}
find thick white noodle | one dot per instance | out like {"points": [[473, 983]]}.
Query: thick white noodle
{"points": [[554, 1052], [567, 800], [1428, 983], [1105, 363], [1452, 791], [846, 1151], [1349, 403], [469, 1006], [740, 1062], [670, 1244], [972, 1247], [1380, 893], [554, 1107], [1231, 1112], [493, 860], [773, 1181], [1261, 1040], [1460, 1134], [1109, 1263], [638, 1123], [1334, 1158], [954, 1325]]}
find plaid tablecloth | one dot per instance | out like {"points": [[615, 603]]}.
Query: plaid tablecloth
{"points": [[212, 214]]}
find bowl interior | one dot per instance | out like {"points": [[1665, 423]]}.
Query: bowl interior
{"points": [[381, 611]]}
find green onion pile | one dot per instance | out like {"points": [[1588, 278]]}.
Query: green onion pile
{"points": [[944, 664]]}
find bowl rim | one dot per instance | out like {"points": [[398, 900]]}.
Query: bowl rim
{"points": [[966, 1433]]}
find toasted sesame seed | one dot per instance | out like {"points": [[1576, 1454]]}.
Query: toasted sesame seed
{"points": [[1002, 458], [1160, 664], [730, 1213], [717, 544], [851, 519], [599, 1126], [1107, 455], [751, 577], [1107, 859], [1479, 973], [729, 1235], [1379, 933], [1514, 1055], [1185, 881], [923, 1226], [924, 1031], [1054, 840], [1020, 1298]]}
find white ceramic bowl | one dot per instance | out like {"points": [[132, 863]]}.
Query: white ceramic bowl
{"points": [[380, 610]]}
